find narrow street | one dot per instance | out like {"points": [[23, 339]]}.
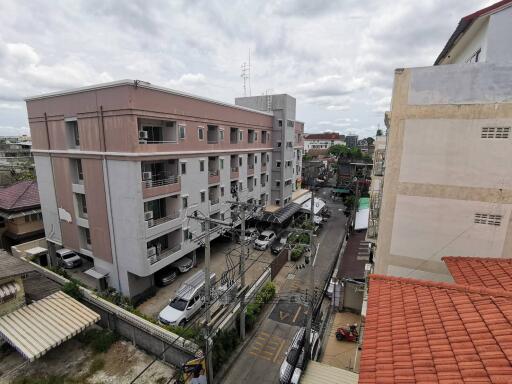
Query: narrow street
{"points": [[260, 360]]}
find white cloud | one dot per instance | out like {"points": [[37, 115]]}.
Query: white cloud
{"points": [[299, 47]]}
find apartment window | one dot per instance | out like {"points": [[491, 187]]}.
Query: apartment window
{"points": [[264, 137], [289, 144], [181, 129], [484, 218], [203, 196], [183, 168], [288, 182], [268, 158], [200, 133], [221, 135], [278, 144], [74, 134], [240, 162], [289, 123], [278, 183], [278, 201], [279, 123], [240, 186], [255, 137], [278, 163], [222, 191], [186, 235], [221, 163], [250, 136], [495, 133], [241, 136], [184, 201], [288, 163], [267, 178], [255, 181], [87, 236], [79, 170], [201, 165], [82, 204]]}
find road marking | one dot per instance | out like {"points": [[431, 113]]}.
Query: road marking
{"points": [[264, 333], [278, 351], [268, 353], [296, 314], [283, 315]]}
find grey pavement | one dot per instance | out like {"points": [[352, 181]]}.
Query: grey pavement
{"points": [[261, 358]]}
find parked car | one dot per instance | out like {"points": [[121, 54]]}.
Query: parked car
{"points": [[288, 371], [68, 258], [188, 301], [263, 240], [165, 276], [250, 235], [280, 242], [183, 265]]}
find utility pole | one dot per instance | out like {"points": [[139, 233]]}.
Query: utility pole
{"points": [[209, 352], [311, 275], [242, 275]]}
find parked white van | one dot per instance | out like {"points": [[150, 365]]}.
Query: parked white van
{"points": [[188, 301]]}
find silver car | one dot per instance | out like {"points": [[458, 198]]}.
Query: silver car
{"points": [[68, 258]]}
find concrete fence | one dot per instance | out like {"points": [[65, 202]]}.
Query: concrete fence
{"points": [[150, 337]]}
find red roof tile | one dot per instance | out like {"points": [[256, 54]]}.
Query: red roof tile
{"points": [[480, 271], [324, 136], [452, 333], [19, 196]]}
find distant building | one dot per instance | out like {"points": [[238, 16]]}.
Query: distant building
{"points": [[351, 140], [20, 214], [15, 158], [366, 146], [447, 186], [322, 140]]}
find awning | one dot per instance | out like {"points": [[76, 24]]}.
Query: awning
{"points": [[319, 204], [281, 215], [322, 373], [362, 217], [96, 273], [36, 328], [8, 289], [341, 190], [364, 202]]}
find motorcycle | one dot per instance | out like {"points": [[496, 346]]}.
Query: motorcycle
{"points": [[349, 333]]}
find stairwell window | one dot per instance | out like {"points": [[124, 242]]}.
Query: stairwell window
{"points": [[489, 219], [495, 133], [183, 168], [181, 129], [201, 165], [200, 133], [73, 133]]}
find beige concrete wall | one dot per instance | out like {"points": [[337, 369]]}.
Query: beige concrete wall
{"points": [[20, 227], [440, 172]]}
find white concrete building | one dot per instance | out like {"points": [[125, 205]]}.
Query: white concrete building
{"points": [[322, 140], [447, 185]]}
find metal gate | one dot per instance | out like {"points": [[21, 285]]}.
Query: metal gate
{"points": [[278, 263]]}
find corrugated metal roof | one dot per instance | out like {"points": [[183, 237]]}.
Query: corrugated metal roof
{"points": [[8, 289], [322, 373], [36, 328]]}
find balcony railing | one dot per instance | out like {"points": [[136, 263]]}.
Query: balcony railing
{"points": [[163, 254], [234, 169], [154, 222], [234, 173], [213, 173], [159, 181], [214, 201]]}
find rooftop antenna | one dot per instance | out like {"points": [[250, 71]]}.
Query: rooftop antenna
{"points": [[246, 75]]}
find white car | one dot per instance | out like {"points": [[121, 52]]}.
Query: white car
{"points": [[68, 258], [264, 240], [183, 265]]}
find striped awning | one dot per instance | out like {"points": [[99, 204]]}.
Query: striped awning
{"points": [[9, 289], [36, 328]]}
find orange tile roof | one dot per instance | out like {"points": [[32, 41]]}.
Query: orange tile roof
{"points": [[486, 272], [429, 332]]}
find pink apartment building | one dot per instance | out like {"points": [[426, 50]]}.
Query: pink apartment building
{"points": [[121, 165]]}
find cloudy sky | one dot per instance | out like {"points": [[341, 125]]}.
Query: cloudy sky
{"points": [[336, 57]]}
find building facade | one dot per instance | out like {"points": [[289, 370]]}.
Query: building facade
{"points": [[446, 187], [351, 141], [322, 140], [122, 165]]}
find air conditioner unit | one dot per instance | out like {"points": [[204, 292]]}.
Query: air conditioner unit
{"points": [[146, 176], [151, 252], [148, 215], [150, 223], [143, 135]]}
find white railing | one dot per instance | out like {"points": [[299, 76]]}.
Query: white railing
{"points": [[214, 201], [157, 182], [213, 173], [234, 169], [165, 253], [154, 222]]}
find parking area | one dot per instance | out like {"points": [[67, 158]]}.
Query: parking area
{"points": [[220, 249]]}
